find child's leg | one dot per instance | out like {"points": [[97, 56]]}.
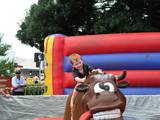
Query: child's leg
{"points": [[72, 102]]}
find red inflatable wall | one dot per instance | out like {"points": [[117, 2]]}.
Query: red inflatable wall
{"points": [[103, 44], [136, 78], [57, 75], [113, 43]]}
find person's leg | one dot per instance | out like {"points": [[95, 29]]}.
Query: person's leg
{"points": [[13, 93], [18, 93], [72, 102]]}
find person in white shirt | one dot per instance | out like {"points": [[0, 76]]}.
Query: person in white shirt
{"points": [[18, 83]]}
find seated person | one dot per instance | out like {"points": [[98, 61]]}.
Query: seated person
{"points": [[18, 83]]}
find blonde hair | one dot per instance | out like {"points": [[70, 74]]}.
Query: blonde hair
{"points": [[74, 58]]}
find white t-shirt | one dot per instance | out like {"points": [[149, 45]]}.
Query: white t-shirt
{"points": [[18, 81]]}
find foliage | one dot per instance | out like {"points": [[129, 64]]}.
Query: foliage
{"points": [[125, 16], [77, 17], [6, 65], [33, 88], [36, 89], [47, 17]]}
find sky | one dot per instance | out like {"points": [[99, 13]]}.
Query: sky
{"points": [[12, 12]]}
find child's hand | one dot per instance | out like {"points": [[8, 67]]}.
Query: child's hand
{"points": [[84, 79], [97, 70], [80, 79]]}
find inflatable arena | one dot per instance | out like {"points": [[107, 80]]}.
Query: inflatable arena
{"points": [[136, 53]]}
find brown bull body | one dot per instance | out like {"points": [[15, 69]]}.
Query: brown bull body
{"points": [[103, 100]]}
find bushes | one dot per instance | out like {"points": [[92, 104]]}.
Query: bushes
{"points": [[35, 89]]}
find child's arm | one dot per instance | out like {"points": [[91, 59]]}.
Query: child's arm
{"points": [[80, 79]]}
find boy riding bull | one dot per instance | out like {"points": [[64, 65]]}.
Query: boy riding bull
{"points": [[80, 72]]}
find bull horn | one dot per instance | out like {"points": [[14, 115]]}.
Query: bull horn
{"points": [[123, 75]]}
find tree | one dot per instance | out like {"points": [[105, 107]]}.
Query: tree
{"points": [[125, 16], [81, 17], [6, 65], [69, 17]]}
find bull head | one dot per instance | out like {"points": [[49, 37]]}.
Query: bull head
{"points": [[99, 98]]}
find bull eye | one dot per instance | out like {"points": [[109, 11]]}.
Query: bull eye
{"points": [[97, 88], [110, 86], [101, 87]]}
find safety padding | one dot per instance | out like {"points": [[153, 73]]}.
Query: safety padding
{"points": [[129, 61], [136, 78], [113, 43], [57, 118]]}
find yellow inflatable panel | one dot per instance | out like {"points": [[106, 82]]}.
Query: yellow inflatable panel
{"points": [[48, 47]]}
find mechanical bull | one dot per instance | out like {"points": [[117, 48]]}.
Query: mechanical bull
{"points": [[99, 98]]}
